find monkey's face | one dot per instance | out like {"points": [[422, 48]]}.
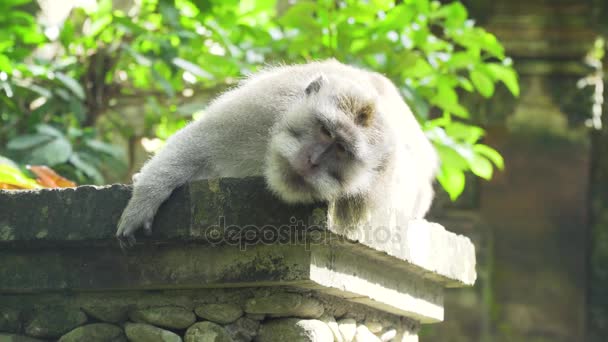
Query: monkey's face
{"points": [[327, 146]]}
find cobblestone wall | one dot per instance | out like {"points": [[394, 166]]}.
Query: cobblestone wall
{"points": [[211, 315]]}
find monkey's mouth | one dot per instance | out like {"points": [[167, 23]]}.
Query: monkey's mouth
{"points": [[293, 179]]}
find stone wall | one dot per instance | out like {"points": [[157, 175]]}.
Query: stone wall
{"points": [[226, 262], [221, 315]]}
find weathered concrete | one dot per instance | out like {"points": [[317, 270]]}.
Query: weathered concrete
{"points": [[226, 211], [213, 235]]}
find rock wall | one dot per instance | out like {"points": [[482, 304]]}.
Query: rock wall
{"points": [[211, 315]]}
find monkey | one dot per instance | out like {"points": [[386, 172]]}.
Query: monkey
{"points": [[321, 131]]}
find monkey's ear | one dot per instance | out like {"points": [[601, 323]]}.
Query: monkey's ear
{"points": [[315, 85]]}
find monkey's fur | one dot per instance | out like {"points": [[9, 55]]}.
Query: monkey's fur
{"points": [[322, 131]]}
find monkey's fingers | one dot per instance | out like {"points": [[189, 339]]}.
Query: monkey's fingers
{"points": [[126, 241], [148, 227], [122, 244], [125, 235], [131, 240]]}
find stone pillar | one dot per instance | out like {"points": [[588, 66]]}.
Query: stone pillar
{"points": [[541, 254], [531, 219], [598, 296], [226, 262]]}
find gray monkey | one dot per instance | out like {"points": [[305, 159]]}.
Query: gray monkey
{"points": [[322, 131]]}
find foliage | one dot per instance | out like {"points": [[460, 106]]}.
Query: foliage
{"points": [[165, 50], [50, 146], [12, 177], [595, 79]]}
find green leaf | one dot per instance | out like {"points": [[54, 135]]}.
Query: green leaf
{"points": [[139, 58], [66, 36], [465, 84], [481, 167], [202, 5], [13, 176], [301, 15], [5, 64], [491, 44], [395, 18], [99, 25], [464, 132], [192, 68], [128, 25], [6, 161], [482, 83], [13, 3], [24, 142], [169, 12], [507, 75], [40, 91], [460, 60], [105, 148], [74, 132], [419, 69], [454, 13], [449, 156], [49, 131], [88, 168], [71, 84], [491, 154], [445, 92], [163, 82], [447, 99], [56, 152], [77, 109], [452, 180]]}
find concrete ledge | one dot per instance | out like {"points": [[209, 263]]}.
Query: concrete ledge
{"points": [[225, 233]]}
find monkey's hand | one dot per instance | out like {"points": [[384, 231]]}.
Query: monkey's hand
{"points": [[138, 213]]}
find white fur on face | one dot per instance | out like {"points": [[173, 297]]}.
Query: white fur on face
{"points": [[282, 153], [299, 128]]}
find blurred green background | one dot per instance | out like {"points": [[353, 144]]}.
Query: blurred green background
{"points": [[91, 88]]}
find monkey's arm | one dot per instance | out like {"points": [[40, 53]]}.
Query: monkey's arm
{"points": [[418, 161], [182, 158]]}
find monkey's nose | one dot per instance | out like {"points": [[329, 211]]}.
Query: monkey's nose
{"points": [[304, 168], [312, 162], [303, 172]]}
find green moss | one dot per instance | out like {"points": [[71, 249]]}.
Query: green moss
{"points": [[214, 185], [7, 233], [53, 322], [44, 211], [42, 234]]}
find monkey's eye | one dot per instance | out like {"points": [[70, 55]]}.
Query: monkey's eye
{"points": [[340, 147], [325, 131], [294, 132]]}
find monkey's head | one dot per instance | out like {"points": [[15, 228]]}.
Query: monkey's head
{"points": [[331, 144]]}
